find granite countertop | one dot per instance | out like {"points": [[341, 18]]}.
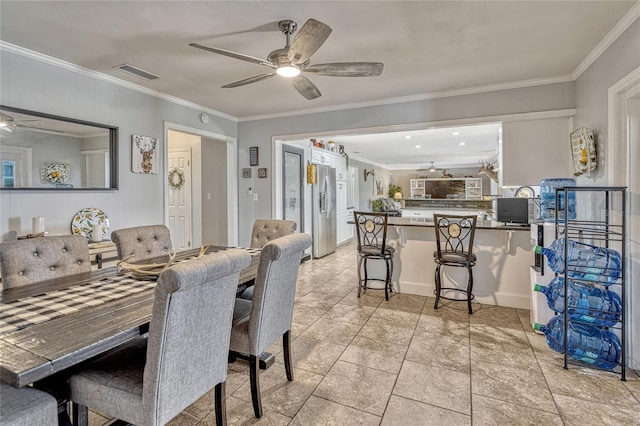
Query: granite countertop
{"points": [[428, 223]]}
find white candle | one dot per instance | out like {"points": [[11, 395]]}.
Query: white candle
{"points": [[96, 233], [37, 225]]}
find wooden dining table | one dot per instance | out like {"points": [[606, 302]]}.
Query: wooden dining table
{"points": [[53, 325]]}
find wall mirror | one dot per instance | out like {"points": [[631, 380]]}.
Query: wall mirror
{"points": [[40, 151]]}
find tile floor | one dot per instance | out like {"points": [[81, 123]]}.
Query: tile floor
{"points": [[371, 362]]}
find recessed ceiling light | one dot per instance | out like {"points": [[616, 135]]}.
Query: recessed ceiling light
{"points": [[455, 133], [418, 146], [462, 143], [408, 137]]}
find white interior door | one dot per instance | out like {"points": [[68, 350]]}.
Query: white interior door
{"points": [[180, 201]]}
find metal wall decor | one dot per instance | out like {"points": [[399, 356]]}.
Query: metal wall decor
{"points": [[246, 173], [262, 173], [253, 156]]}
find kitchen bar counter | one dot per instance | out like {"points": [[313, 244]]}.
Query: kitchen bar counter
{"points": [[481, 224], [501, 275]]}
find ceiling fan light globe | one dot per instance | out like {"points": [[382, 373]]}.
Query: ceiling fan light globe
{"points": [[288, 71], [3, 124]]}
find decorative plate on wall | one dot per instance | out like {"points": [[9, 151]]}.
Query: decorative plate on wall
{"points": [[84, 221]]}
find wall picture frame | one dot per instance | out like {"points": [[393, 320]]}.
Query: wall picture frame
{"points": [[253, 156], [262, 173], [144, 155], [246, 173]]}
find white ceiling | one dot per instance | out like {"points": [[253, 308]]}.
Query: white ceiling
{"points": [[447, 147], [427, 46]]}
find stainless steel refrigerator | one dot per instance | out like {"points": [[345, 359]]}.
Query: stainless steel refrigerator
{"points": [[324, 211]]}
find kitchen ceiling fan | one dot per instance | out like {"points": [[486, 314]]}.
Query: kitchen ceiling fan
{"points": [[293, 58], [431, 169]]}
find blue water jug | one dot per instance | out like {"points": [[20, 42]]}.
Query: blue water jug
{"points": [[586, 343], [586, 262], [587, 303], [548, 199]]}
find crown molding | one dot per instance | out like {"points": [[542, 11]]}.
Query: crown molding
{"points": [[12, 48], [608, 40], [416, 98]]}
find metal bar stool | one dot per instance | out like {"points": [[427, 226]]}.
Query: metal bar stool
{"points": [[454, 241], [371, 230]]}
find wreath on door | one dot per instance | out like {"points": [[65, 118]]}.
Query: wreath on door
{"points": [[176, 178]]}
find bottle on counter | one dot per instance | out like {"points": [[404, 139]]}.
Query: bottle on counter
{"points": [[587, 303], [586, 343], [586, 262]]}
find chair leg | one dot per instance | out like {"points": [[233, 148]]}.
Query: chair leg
{"points": [[80, 415], [255, 385], [470, 290], [221, 404], [387, 281], [360, 275], [286, 348], [438, 285], [366, 275], [391, 277]]}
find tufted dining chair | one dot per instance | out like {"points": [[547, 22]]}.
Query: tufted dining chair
{"points": [[142, 242], [150, 381], [259, 322], [26, 407], [33, 260], [265, 230]]}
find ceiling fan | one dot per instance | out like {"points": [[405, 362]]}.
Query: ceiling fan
{"points": [[293, 58], [7, 122], [430, 169]]}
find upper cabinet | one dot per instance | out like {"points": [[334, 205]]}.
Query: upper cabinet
{"points": [[534, 150], [331, 159], [450, 188]]}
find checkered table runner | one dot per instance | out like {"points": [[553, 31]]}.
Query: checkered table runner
{"points": [[32, 310]]}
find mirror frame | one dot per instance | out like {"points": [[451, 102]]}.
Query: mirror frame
{"points": [[113, 150]]}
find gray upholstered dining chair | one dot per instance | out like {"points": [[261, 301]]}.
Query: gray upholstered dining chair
{"points": [[26, 407], [150, 381], [265, 230], [142, 242], [258, 323], [33, 260]]}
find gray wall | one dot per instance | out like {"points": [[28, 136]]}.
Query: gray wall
{"points": [[622, 57], [260, 132], [33, 85]]}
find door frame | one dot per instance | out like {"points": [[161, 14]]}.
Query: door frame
{"points": [[618, 150], [232, 183], [298, 151]]}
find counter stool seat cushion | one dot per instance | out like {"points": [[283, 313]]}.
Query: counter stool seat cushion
{"points": [[26, 407], [375, 251], [454, 257]]}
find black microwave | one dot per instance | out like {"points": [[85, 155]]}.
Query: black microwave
{"points": [[515, 210]]}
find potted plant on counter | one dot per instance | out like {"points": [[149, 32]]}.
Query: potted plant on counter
{"points": [[393, 189], [377, 205]]}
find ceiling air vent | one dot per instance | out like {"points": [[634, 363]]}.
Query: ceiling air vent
{"points": [[130, 69]]}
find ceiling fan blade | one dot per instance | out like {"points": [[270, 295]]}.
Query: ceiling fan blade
{"points": [[235, 55], [249, 80], [305, 87], [347, 69], [308, 40]]}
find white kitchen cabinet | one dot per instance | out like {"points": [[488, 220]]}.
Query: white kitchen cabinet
{"points": [[322, 156], [466, 188]]}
